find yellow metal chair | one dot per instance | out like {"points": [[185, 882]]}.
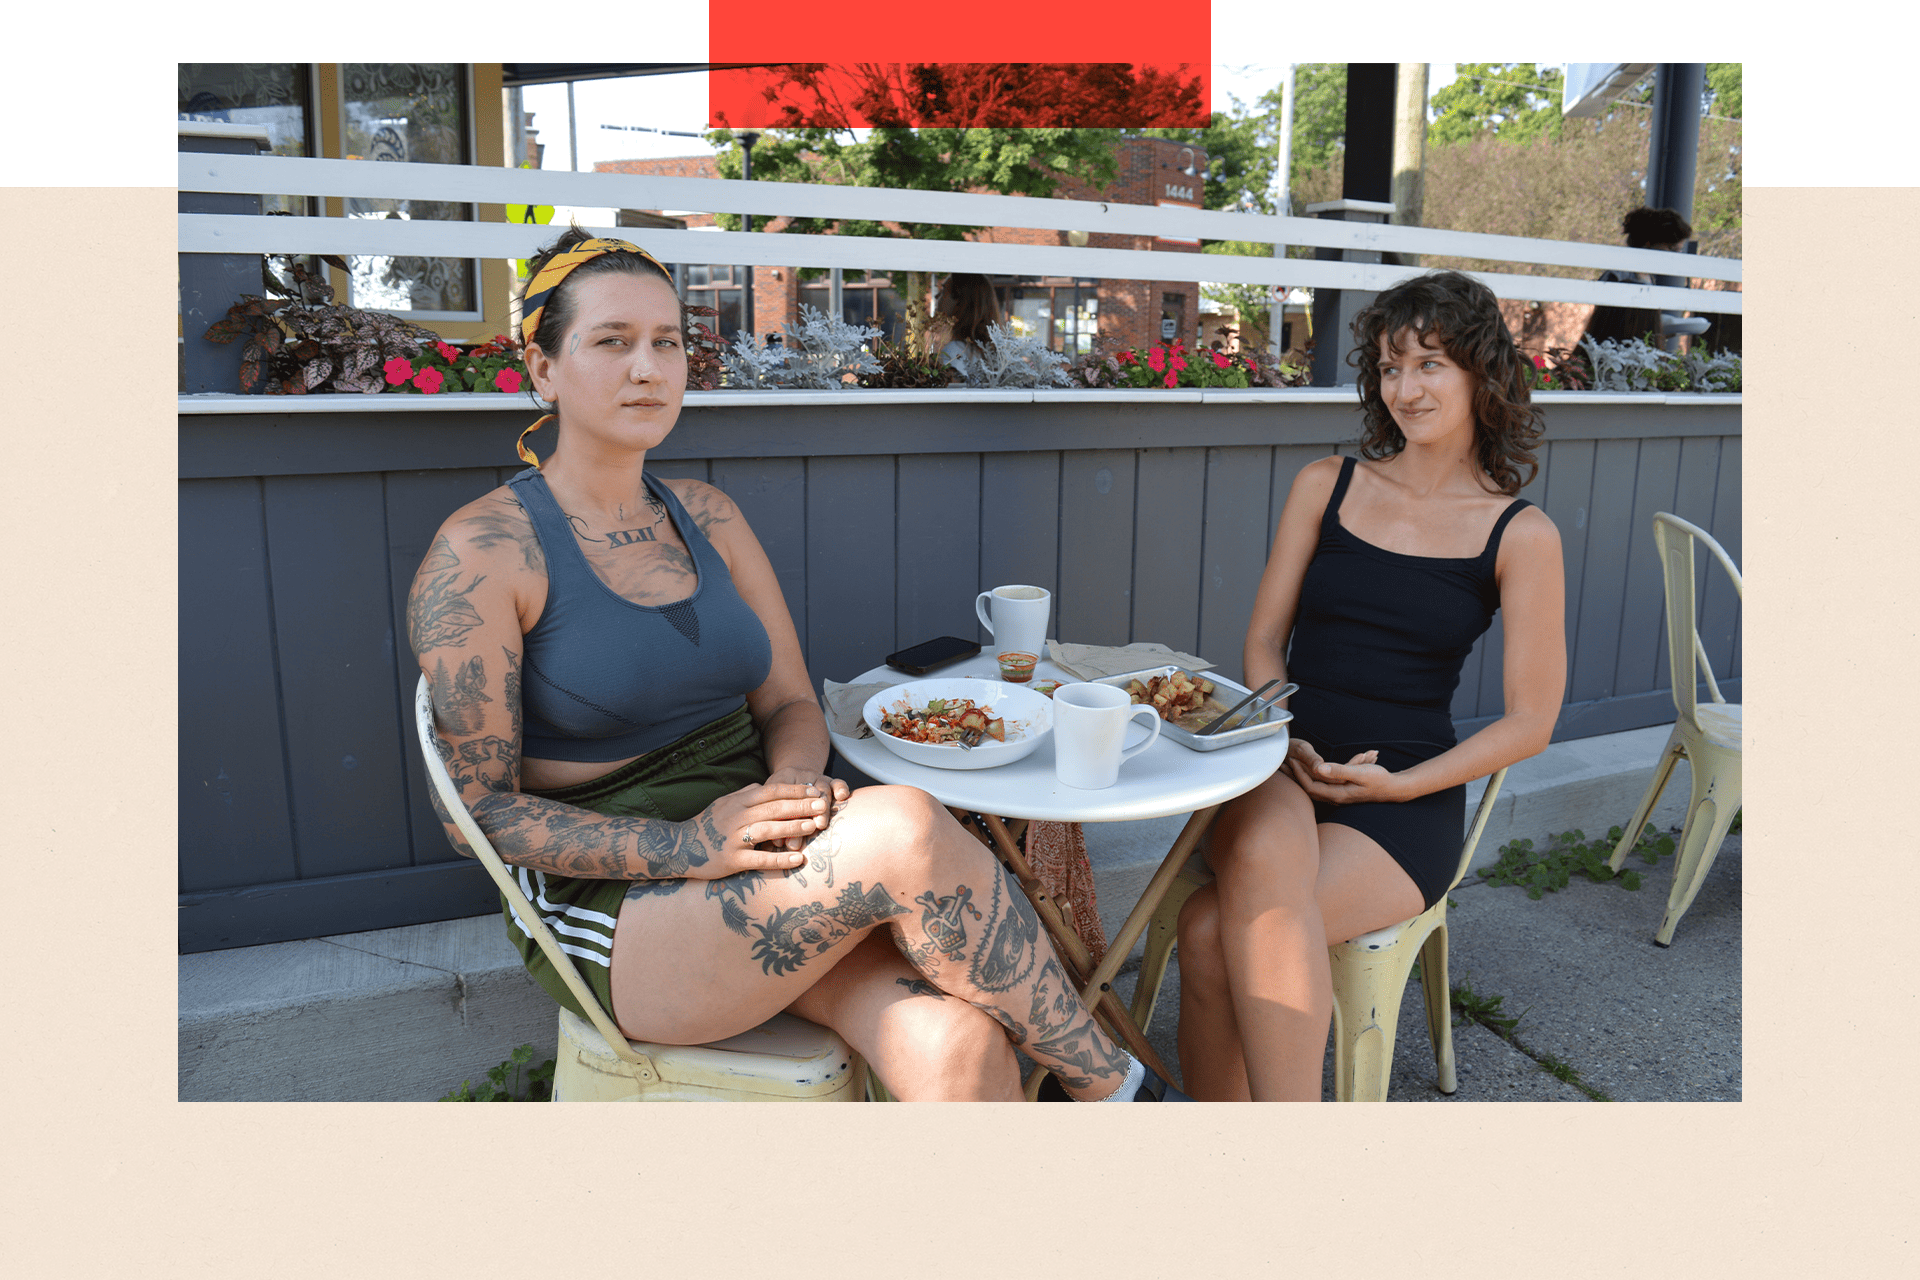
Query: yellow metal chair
{"points": [[785, 1059], [1706, 733], [1369, 977]]}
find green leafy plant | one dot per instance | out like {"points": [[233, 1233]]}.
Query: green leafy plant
{"points": [[295, 347], [902, 365], [1173, 364], [512, 1081], [1569, 854], [1470, 1007], [494, 365]]}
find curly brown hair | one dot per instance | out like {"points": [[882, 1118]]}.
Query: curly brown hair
{"points": [[1462, 318]]}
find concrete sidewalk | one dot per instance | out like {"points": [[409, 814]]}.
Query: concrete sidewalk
{"points": [[407, 1014]]}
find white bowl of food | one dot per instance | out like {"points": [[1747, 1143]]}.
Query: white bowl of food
{"points": [[932, 722]]}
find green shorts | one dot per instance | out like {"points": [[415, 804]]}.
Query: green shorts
{"points": [[670, 785]]}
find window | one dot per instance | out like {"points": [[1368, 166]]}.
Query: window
{"points": [[720, 288], [866, 297], [275, 96], [417, 112], [1063, 313]]}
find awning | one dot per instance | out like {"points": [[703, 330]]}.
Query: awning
{"points": [[523, 73]]}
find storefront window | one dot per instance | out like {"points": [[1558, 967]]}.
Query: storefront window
{"points": [[721, 289], [415, 112], [274, 96]]}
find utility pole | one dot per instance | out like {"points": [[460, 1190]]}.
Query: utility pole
{"points": [[1283, 206], [1409, 149], [747, 139]]}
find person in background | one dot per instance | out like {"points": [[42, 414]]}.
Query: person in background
{"points": [[1645, 229], [958, 331]]}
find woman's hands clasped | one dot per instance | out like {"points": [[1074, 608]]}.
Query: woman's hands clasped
{"points": [[765, 827], [1359, 781]]}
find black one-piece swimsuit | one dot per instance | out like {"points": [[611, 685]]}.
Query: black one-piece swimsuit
{"points": [[1377, 648]]}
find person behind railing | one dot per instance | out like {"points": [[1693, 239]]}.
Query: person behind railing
{"points": [[620, 696], [1383, 572], [1644, 228], [958, 332]]}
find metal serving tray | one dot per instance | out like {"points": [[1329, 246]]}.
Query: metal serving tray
{"points": [[1269, 721]]}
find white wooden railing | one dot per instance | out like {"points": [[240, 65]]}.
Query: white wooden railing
{"points": [[473, 185]]}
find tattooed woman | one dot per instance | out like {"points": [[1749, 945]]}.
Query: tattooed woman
{"points": [[621, 698]]}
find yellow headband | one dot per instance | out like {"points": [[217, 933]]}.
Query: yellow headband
{"points": [[533, 304]]}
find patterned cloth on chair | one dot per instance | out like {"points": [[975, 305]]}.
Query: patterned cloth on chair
{"points": [[1057, 852]]}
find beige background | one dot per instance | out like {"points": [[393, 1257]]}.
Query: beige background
{"points": [[110, 1176]]}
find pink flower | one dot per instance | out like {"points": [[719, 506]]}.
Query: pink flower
{"points": [[1538, 363], [507, 380], [1126, 357], [428, 380], [1220, 361], [447, 352], [1172, 377], [1156, 359], [398, 370], [1179, 361]]}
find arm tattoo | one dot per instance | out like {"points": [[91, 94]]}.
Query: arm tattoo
{"points": [[512, 528], [532, 831], [457, 696], [438, 611]]}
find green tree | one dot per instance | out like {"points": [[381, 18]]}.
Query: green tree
{"points": [[1723, 89], [1009, 161], [1516, 101], [1093, 95]]}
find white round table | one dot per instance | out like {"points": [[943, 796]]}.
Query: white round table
{"points": [[1165, 779]]}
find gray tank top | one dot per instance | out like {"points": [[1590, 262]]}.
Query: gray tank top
{"points": [[604, 678]]}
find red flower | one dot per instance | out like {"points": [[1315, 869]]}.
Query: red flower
{"points": [[1220, 361], [428, 380], [1538, 363], [398, 370], [447, 353], [1179, 361], [1156, 359], [507, 380], [1172, 377], [1126, 357]]}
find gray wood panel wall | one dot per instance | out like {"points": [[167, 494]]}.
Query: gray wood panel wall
{"points": [[302, 805]]}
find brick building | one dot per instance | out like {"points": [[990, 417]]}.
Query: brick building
{"points": [[1069, 311]]}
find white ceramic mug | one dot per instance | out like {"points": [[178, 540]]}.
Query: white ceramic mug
{"points": [[1089, 726], [1016, 618]]}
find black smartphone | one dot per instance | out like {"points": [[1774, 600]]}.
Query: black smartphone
{"points": [[923, 658]]}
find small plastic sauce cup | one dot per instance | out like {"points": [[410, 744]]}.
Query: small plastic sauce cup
{"points": [[1017, 668]]}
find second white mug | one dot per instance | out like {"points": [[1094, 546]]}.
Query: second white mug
{"points": [[1089, 726], [1016, 618]]}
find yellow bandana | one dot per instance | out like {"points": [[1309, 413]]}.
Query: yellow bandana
{"points": [[533, 304]]}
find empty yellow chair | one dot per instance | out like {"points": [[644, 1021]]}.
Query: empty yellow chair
{"points": [[785, 1059], [1369, 977], [1707, 734]]}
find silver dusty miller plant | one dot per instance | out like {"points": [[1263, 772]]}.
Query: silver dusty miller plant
{"points": [[1007, 359], [1634, 365], [822, 353]]}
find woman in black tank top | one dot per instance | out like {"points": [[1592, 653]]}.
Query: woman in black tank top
{"points": [[620, 696], [1383, 573]]}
